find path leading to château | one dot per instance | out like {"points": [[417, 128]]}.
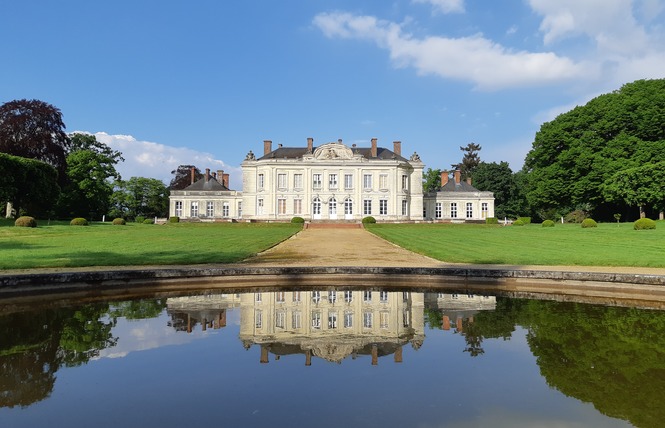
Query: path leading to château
{"points": [[339, 246]]}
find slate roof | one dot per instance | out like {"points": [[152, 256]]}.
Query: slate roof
{"points": [[298, 152], [211, 185], [462, 186]]}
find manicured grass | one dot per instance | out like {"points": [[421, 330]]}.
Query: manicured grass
{"points": [[565, 244], [103, 244]]}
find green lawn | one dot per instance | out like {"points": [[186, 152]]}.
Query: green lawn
{"points": [[102, 244], [565, 244]]}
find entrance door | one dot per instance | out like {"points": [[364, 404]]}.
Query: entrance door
{"points": [[332, 209], [316, 209], [348, 209]]}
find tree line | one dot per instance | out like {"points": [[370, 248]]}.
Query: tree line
{"points": [[47, 173], [605, 160]]}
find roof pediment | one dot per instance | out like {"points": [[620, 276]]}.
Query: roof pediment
{"points": [[333, 151]]}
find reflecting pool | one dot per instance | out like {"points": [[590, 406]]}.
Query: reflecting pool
{"points": [[330, 358]]}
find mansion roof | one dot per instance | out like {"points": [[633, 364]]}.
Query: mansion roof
{"points": [[211, 184], [366, 152]]}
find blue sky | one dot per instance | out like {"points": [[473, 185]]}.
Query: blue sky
{"points": [[204, 82]]}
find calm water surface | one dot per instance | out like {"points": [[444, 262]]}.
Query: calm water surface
{"points": [[331, 358]]}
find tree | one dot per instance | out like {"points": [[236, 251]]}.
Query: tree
{"points": [[499, 179], [431, 180], [90, 176], [641, 186], [470, 160], [34, 129], [28, 185], [576, 153], [182, 177], [140, 196]]}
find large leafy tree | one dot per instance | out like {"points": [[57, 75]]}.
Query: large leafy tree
{"points": [[470, 160], [577, 153], [499, 179], [639, 187], [182, 177], [431, 180], [34, 129], [140, 196], [90, 176], [29, 185]]}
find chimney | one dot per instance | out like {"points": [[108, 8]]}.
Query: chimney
{"points": [[279, 146], [458, 176], [468, 180], [220, 175], [310, 145], [267, 147], [207, 174], [225, 180], [374, 151], [397, 147], [193, 175], [339, 140], [214, 175], [444, 178]]}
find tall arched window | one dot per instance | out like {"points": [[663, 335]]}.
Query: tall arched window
{"points": [[332, 207], [348, 206], [316, 206]]}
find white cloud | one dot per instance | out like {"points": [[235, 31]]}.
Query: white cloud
{"points": [[477, 59], [444, 6], [154, 160]]}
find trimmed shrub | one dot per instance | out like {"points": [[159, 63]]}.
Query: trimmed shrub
{"points": [[644, 224], [576, 216], [148, 221], [519, 222], [589, 222], [491, 220], [78, 221], [525, 220], [25, 221], [139, 219], [369, 220], [119, 221], [298, 220], [548, 223], [174, 219]]}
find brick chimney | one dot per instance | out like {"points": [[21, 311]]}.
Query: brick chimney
{"points": [[267, 147], [458, 176], [207, 174], [397, 147], [220, 175], [468, 180], [193, 175], [225, 180], [444, 178], [310, 145], [374, 149]]}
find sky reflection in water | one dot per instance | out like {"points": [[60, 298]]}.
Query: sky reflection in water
{"points": [[333, 359]]}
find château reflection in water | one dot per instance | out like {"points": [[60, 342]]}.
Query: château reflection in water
{"points": [[610, 357]]}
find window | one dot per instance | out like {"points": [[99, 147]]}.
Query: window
{"points": [[258, 319], [297, 206], [258, 297], [281, 181], [316, 296], [332, 207], [348, 296], [261, 182], [296, 296], [348, 181], [194, 209], [259, 207], [453, 209], [438, 211], [210, 208], [367, 319], [367, 207], [332, 181], [406, 318], [367, 181], [405, 182], [383, 296], [280, 319], [383, 182], [405, 296], [332, 296], [178, 208], [384, 318], [239, 209], [348, 206], [279, 297], [225, 209], [367, 296], [281, 206], [405, 207], [296, 319], [316, 181], [332, 319], [383, 207], [484, 209], [316, 319], [297, 181], [348, 319], [316, 206], [469, 210]]}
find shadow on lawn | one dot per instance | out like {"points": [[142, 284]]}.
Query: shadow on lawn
{"points": [[162, 257]]}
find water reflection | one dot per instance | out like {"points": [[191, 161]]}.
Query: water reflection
{"points": [[611, 357]]}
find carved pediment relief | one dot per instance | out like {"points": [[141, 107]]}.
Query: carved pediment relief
{"points": [[331, 151]]}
